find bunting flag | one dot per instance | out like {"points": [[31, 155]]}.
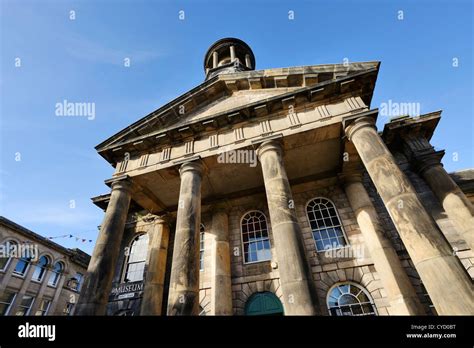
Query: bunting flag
{"points": [[83, 240]]}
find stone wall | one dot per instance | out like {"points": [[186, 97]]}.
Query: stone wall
{"points": [[59, 295], [327, 269], [392, 234]]}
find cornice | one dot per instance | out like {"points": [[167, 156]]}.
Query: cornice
{"points": [[363, 81]]}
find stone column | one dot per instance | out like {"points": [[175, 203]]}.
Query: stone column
{"points": [[24, 287], [443, 276], [57, 293], [40, 294], [215, 60], [286, 232], [98, 283], [183, 298], [156, 268], [221, 299], [455, 203], [402, 297], [232, 53], [7, 276], [248, 63]]}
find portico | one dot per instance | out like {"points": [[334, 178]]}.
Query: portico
{"points": [[303, 124]]}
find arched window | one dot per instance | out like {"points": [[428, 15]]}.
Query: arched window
{"points": [[201, 247], [255, 240], [349, 299], [22, 265], [7, 248], [40, 269], [135, 259], [325, 224], [75, 282], [58, 268]]}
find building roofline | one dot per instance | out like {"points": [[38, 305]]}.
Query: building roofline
{"points": [[72, 253], [371, 67]]}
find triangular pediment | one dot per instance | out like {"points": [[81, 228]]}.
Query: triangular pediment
{"points": [[242, 95], [238, 99]]}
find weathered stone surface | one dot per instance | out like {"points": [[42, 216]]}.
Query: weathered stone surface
{"points": [[428, 249], [183, 298], [286, 232], [155, 268], [221, 299], [402, 296], [453, 200], [98, 283]]}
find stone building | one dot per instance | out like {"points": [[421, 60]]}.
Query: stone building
{"points": [[272, 192], [37, 276]]}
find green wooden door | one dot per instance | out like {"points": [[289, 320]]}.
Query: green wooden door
{"points": [[263, 303]]}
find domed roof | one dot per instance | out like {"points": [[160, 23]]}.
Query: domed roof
{"points": [[228, 55]]}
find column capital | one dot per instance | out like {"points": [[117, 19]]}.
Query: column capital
{"points": [[357, 124], [423, 162], [273, 145], [122, 182], [193, 166], [350, 177]]}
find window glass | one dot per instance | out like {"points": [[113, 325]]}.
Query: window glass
{"points": [[43, 308], [6, 300], [5, 258], [25, 305], [136, 258], [349, 299], [56, 274], [40, 269], [255, 240], [201, 247], [325, 224], [22, 265]]}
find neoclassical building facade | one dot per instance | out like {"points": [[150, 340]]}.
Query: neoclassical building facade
{"points": [[37, 276], [270, 192]]}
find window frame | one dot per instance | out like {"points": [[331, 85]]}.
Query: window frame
{"points": [[54, 273], [202, 247], [45, 311], [242, 237], [22, 275], [45, 269], [340, 224], [69, 308], [127, 257], [360, 287], [10, 305], [28, 311], [7, 264], [79, 283]]}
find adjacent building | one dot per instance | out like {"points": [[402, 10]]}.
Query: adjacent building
{"points": [[270, 192], [37, 276]]}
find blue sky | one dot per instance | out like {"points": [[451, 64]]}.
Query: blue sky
{"points": [[82, 60]]}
